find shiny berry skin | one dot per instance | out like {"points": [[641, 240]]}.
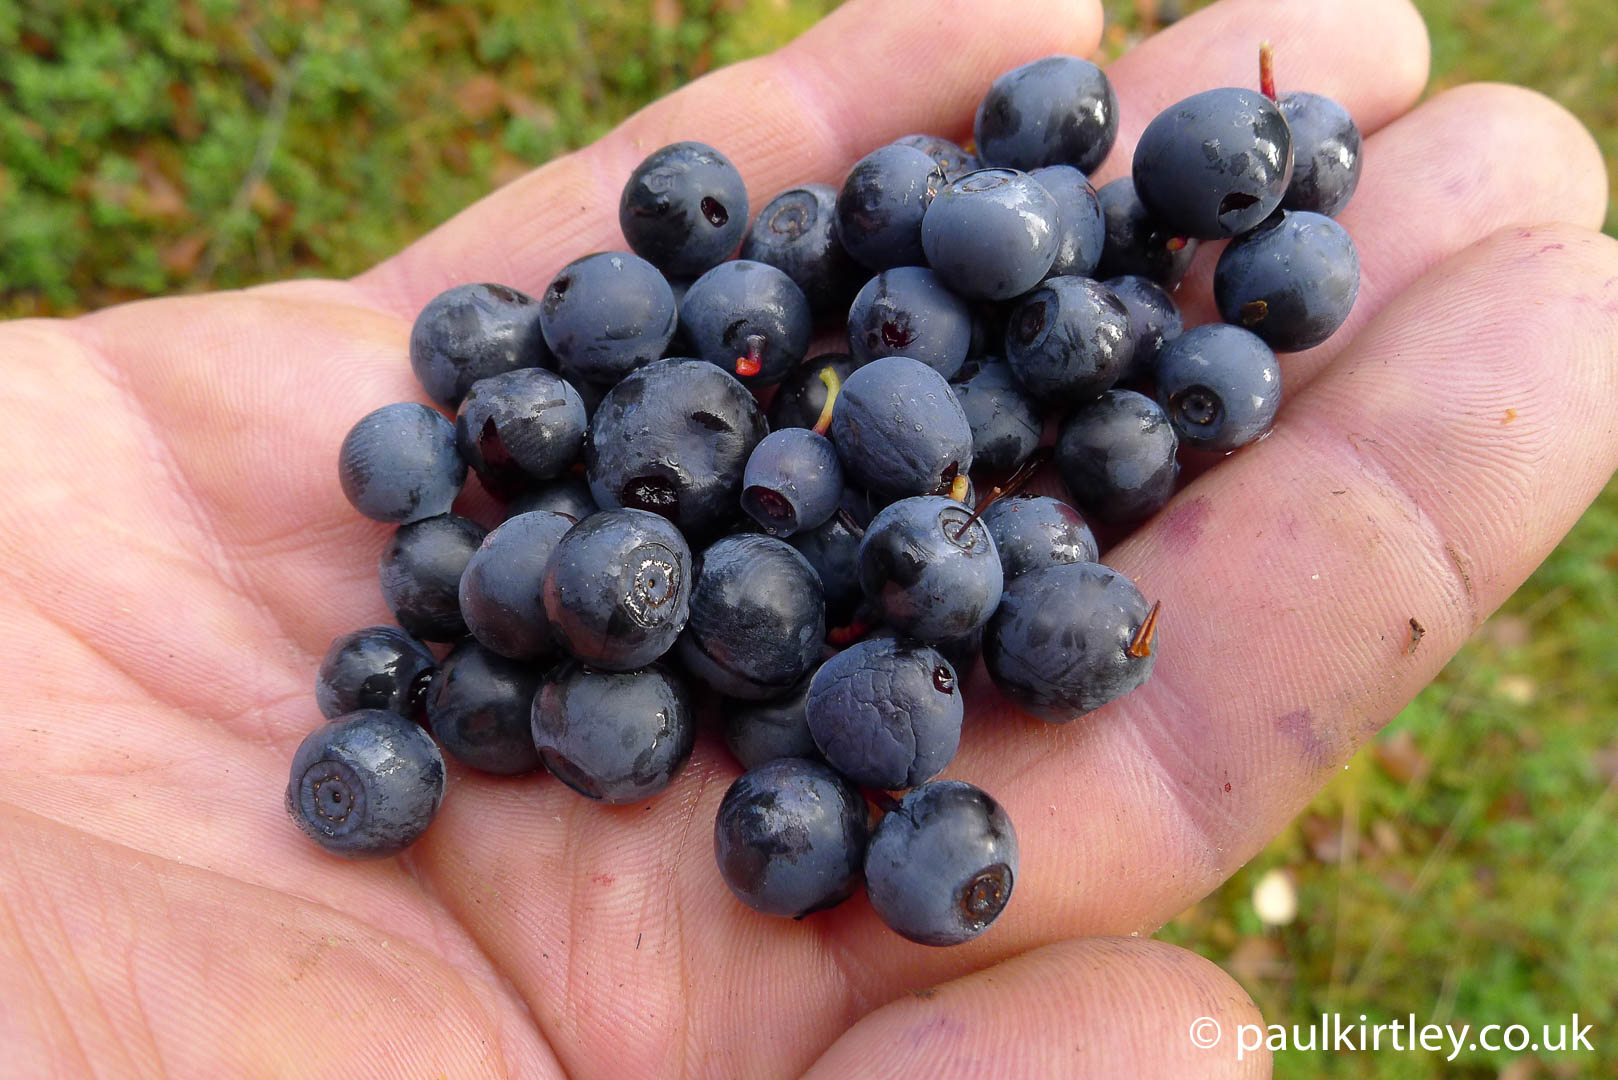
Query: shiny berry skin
{"points": [[1292, 281], [366, 784], [908, 311], [1060, 110], [1215, 164], [1153, 319], [1220, 386], [1006, 425], [1081, 230], [796, 233], [398, 464], [1137, 242], [605, 315], [792, 482], [1059, 644], [899, 429], [1326, 154], [881, 204], [616, 737], [478, 706], [1068, 340], [684, 209], [617, 589], [747, 318], [421, 569], [1032, 532], [376, 667], [790, 837], [991, 234], [801, 397], [885, 713], [941, 868], [1117, 455], [501, 588], [520, 427], [933, 575], [568, 496], [471, 332], [949, 155]]}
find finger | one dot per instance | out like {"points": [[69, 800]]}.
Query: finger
{"points": [[867, 73], [1469, 162], [1094, 1007]]}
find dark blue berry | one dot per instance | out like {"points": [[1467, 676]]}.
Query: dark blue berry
{"points": [[607, 314], [478, 707], [1220, 386], [365, 785], [1325, 154], [519, 427], [793, 481], [674, 438], [1081, 231], [801, 397], [684, 209], [1137, 242], [1068, 340], [899, 429], [399, 464], [501, 587], [931, 570], [1057, 111], [949, 155], [1292, 281], [961, 652], [615, 737], [569, 496], [376, 667], [1005, 423], [991, 234], [757, 618], [796, 233], [617, 589], [1065, 640], [1153, 319], [471, 332], [885, 713], [749, 319], [881, 203], [832, 548], [760, 731], [421, 570], [1117, 456], [1215, 164], [907, 311], [790, 837], [940, 868], [1032, 532]]}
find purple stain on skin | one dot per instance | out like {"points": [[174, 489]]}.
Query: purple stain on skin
{"points": [[1183, 524], [1314, 744]]}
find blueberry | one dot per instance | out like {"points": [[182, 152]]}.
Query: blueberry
{"points": [[471, 332], [519, 427], [949, 155], [760, 731], [569, 496], [1117, 456], [961, 652], [365, 785], [1005, 424], [801, 397], [1137, 242], [793, 481], [907, 311], [1057, 111], [899, 429], [992, 234], [832, 548], [1064, 640], [421, 570], [941, 867], [790, 837], [1068, 340], [478, 707], [399, 464], [377, 667], [1153, 319], [500, 591], [617, 589], [684, 209], [1220, 386], [1325, 154], [1292, 281], [930, 568], [796, 233], [885, 713], [615, 737], [1215, 164], [605, 315], [757, 618], [880, 206], [1081, 230], [748, 318], [674, 438], [1032, 532]]}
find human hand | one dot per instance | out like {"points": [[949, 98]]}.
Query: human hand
{"points": [[178, 554]]}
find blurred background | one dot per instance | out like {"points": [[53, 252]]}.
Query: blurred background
{"points": [[1461, 868]]}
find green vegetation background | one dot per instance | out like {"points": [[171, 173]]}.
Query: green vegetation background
{"points": [[1461, 868]]}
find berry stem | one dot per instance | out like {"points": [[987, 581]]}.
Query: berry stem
{"points": [[753, 362], [884, 802], [1266, 70], [959, 487], [1014, 483], [847, 635], [828, 377], [1141, 646], [850, 523]]}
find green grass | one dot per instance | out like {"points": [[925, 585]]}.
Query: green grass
{"points": [[1459, 869]]}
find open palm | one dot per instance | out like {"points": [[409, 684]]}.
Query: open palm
{"points": [[177, 554]]}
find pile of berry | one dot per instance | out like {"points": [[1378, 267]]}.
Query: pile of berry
{"points": [[663, 538]]}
